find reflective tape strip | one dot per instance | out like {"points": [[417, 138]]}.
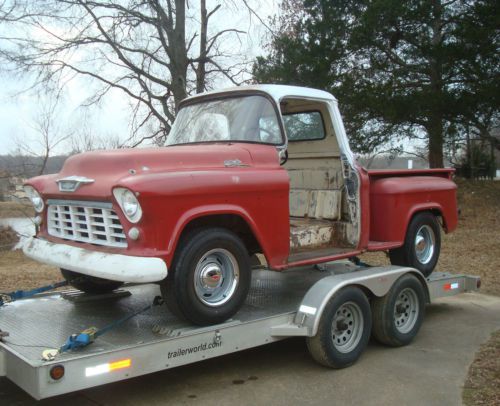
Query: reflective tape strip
{"points": [[307, 310], [105, 368], [451, 286]]}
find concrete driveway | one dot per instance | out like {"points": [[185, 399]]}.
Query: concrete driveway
{"points": [[430, 371]]}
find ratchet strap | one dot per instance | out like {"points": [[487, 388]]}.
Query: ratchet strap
{"points": [[89, 335], [24, 294]]}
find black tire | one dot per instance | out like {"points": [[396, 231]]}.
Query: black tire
{"points": [[398, 316], [425, 228], [90, 284], [339, 345], [213, 256]]}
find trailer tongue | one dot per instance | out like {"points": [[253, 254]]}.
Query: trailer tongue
{"points": [[298, 302]]}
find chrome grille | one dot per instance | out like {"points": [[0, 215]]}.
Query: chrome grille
{"points": [[90, 222]]}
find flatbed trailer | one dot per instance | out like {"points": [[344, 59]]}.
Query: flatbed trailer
{"points": [[299, 302]]}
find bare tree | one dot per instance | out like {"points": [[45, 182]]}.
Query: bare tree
{"points": [[85, 138], [49, 134], [144, 48]]}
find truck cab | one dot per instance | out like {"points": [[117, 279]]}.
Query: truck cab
{"points": [[251, 170]]}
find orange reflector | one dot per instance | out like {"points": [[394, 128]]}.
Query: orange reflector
{"points": [[57, 372], [105, 368], [125, 363]]}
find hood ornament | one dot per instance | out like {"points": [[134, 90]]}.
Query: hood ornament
{"points": [[71, 183]]}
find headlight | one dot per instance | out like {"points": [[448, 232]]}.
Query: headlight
{"points": [[128, 203], [35, 198]]}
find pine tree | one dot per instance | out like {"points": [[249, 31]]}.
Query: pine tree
{"points": [[416, 69]]}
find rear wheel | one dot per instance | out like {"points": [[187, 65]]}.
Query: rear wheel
{"points": [[422, 244], [398, 315], [211, 277], [344, 329], [90, 284]]}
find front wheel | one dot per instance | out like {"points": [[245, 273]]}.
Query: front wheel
{"points": [[90, 284], [211, 277], [422, 244], [344, 329]]}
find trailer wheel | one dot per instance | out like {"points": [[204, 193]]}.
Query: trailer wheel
{"points": [[90, 284], [422, 244], [398, 315], [344, 329], [211, 277]]}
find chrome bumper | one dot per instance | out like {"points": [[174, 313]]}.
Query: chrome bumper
{"points": [[116, 267]]}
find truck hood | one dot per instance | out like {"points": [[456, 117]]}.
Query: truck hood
{"points": [[123, 162], [107, 168]]}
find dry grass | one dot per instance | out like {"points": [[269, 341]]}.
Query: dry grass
{"points": [[14, 209], [474, 248], [482, 386], [19, 272], [8, 238]]}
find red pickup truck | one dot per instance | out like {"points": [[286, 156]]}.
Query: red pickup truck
{"points": [[259, 169]]}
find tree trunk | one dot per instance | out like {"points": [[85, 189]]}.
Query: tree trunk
{"points": [[435, 115], [179, 60], [200, 69], [435, 133]]}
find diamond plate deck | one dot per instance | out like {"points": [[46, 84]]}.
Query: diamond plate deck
{"points": [[47, 321]]}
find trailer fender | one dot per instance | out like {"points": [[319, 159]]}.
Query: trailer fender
{"points": [[377, 280]]}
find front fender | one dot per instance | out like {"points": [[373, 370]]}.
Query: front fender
{"points": [[210, 210], [170, 201]]}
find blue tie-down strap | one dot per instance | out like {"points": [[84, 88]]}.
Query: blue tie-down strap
{"points": [[23, 294], [89, 335], [79, 340]]}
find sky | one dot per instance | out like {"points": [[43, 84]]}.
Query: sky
{"points": [[19, 109]]}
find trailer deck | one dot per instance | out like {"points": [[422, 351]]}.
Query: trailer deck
{"points": [[154, 340], [47, 321]]}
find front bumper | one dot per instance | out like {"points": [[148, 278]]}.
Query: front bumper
{"points": [[116, 267]]}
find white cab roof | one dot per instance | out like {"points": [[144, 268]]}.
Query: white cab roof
{"points": [[277, 92]]}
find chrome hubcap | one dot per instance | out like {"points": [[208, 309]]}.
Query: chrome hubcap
{"points": [[216, 277], [211, 276], [406, 310], [347, 327], [424, 244]]}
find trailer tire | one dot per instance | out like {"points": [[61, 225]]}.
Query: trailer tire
{"points": [[344, 329], [398, 316], [210, 279], [90, 284], [421, 246]]}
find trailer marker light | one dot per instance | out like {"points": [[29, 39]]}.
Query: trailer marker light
{"points": [[451, 286], [105, 368], [307, 310], [57, 372]]}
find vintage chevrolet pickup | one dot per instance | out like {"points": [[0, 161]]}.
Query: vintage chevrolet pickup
{"points": [[259, 169]]}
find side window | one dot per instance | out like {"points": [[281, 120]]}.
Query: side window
{"points": [[269, 130], [305, 126]]}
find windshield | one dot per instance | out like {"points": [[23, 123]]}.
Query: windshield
{"points": [[247, 118]]}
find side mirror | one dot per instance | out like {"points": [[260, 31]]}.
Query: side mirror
{"points": [[283, 154]]}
